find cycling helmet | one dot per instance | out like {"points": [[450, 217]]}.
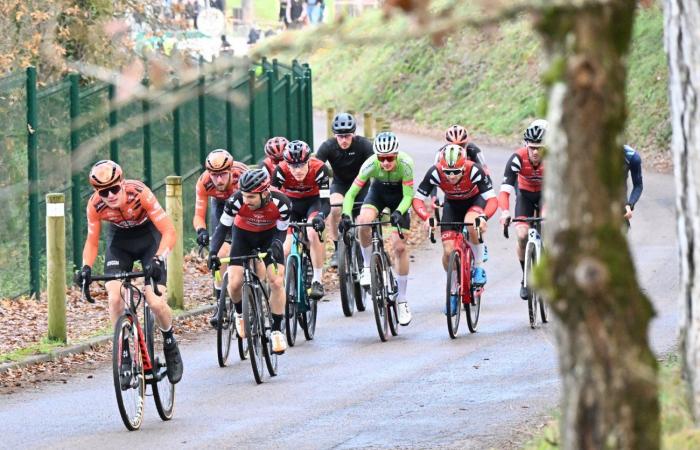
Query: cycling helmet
{"points": [[274, 147], [534, 135], [386, 144], [254, 181], [344, 123], [219, 161], [457, 134], [452, 156], [105, 173], [297, 152]]}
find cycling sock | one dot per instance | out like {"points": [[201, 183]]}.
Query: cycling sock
{"points": [[478, 251], [522, 266], [217, 292], [238, 307], [167, 333], [335, 245], [277, 322], [366, 255], [402, 281], [317, 275]]}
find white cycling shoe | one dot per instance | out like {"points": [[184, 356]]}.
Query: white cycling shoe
{"points": [[279, 342], [404, 314], [365, 277], [240, 329]]}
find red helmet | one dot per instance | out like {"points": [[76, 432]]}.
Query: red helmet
{"points": [[219, 161], [274, 147], [457, 134], [105, 173], [297, 152], [452, 156]]}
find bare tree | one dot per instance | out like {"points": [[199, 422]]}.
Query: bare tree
{"points": [[608, 370], [683, 48]]}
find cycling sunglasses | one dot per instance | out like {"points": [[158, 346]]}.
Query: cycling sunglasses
{"points": [[453, 171], [344, 135], [386, 158], [104, 193], [297, 165]]}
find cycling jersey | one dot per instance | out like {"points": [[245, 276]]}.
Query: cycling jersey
{"points": [[473, 182], [346, 163], [206, 188], [269, 165], [314, 184], [633, 166], [520, 170], [140, 207], [400, 177]]}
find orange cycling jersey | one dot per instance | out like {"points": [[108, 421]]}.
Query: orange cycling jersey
{"points": [[206, 188], [140, 206]]}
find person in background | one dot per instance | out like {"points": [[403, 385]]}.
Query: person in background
{"points": [[296, 13]]}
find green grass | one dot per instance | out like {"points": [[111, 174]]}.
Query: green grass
{"points": [[46, 345], [678, 431], [267, 10]]}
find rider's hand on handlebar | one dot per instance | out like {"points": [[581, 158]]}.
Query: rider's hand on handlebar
{"points": [[156, 270], [276, 251], [395, 218], [344, 224], [213, 262], [84, 275], [628, 212], [318, 223], [505, 217], [203, 237], [482, 223]]}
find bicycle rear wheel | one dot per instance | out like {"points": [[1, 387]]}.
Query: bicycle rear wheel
{"points": [[454, 287], [292, 294], [253, 332], [270, 358], [225, 326], [379, 296], [473, 307], [130, 400], [347, 284], [532, 298], [163, 389]]}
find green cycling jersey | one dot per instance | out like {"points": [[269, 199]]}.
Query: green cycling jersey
{"points": [[402, 175]]}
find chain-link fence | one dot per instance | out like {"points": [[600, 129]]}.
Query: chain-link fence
{"points": [[52, 135]]}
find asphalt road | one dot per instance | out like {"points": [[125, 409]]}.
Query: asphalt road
{"points": [[346, 389]]}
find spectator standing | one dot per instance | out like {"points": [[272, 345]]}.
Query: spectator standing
{"points": [[296, 13]]}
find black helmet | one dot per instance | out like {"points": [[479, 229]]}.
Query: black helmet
{"points": [[297, 152], [344, 123], [254, 181]]}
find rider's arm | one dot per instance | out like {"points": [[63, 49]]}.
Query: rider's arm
{"points": [[431, 179], [277, 179], [323, 180], [510, 178], [483, 183], [284, 206], [365, 173], [635, 165], [92, 241], [231, 207], [406, 184], [200, 206], [161, 220]]}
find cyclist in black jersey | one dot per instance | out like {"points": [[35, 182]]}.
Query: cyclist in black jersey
{"points": [[345, 152]]}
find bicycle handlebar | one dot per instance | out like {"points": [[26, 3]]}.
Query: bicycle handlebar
{"points": [[380, 223], [528, 220], [479, 236], [340, 205], [121, 276]]}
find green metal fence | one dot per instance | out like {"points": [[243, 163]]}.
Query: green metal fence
{"points": [[46, 131]]}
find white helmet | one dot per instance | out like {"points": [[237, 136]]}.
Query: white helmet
{"points": [[534, 134], [386, 144]]}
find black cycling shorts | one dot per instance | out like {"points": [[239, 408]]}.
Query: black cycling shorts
{"points": [[455, 210], [338, 187], [126, 245], [302, 208], [526, 203], [246, 242], [387, 195]]}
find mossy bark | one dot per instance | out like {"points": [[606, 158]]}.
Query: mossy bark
{"points": [[608, 370]]}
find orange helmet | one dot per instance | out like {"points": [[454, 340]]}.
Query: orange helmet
{"points": [[457, 134], [105, 173], [274, 147], [452, 156], [219, 161]]}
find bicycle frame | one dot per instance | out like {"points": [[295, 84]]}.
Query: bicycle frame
{"points": [[534, 243], [298, 249]]}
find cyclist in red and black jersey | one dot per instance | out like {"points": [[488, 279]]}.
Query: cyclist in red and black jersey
{"points": [[525, 170], [468, 195], [274, 149], [458, 135], [139, 230], [305, 180], [260, 219]]}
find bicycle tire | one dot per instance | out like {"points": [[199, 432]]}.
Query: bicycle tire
{"points": [[292, 297], [532, 297], [453, 287], [270, 357], [345, 278], [308, 323], [163, 390], [473, 307], [378, 296], [224, 326], [253, 333], [391, 305], [361, 293], [130, 409], [544, 310]]}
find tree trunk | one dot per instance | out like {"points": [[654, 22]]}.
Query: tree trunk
{"points": [[608, 370], [683, 47]]}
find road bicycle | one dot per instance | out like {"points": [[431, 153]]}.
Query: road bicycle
{"points": [[138, 356], [459, 279], [226, 325], [300, 308], [533, 252], [350, 263]]}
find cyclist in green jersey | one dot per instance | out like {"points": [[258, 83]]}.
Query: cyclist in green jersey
{"points": [[391, 172]]}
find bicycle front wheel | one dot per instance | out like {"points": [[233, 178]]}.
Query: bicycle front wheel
{"points": [[270, 358], [532, 298], [253, 332], [347, 284], [127, 370], [224, 327], [292, 294], [379, 296], [454, 287], [392, 311], [163, 389], [308, 323], [473, 307]]}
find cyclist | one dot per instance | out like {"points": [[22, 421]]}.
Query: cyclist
{"points": [[259, 218], [274, 148], [305, 181], [218, 182], [139, 230], [457, 134], [633, 167], [391, 172], [524, 167], [469, 196], [346, 152]]}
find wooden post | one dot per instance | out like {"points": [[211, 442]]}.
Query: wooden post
{"points": [[173, 206], [367, 124], [330, 115], [56, 265]]}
